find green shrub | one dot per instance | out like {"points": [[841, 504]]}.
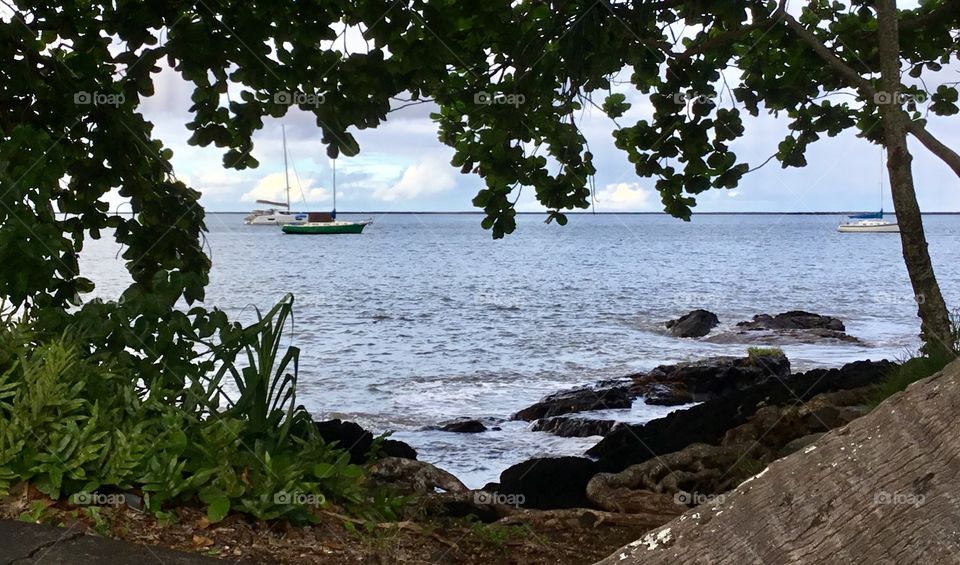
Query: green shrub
{"points": [[919, 365], [909, 370], [754, 352], [77, 422]]}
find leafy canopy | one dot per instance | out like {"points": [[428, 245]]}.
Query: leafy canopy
{"points": [[510, 80]]}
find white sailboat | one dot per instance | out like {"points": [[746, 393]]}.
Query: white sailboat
{"points": [[279, 214], [869, 226], [871, 222]]}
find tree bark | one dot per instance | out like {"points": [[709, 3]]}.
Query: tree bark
{"points": [[935, 325], [883, 489]]}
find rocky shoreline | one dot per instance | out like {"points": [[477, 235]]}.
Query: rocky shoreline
{"points": [[735, 416], [646, 474]]}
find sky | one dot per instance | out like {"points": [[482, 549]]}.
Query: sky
{"points": [[402, 166]]}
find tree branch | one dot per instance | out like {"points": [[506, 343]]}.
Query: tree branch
{"points": [[935, 146], [866, 89]]}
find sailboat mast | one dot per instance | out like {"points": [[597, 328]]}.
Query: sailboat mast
{"points": [[286, 170], [334, 186]]}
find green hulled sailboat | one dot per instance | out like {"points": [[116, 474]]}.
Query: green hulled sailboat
{"points": [[326, 227], [326, 223]]}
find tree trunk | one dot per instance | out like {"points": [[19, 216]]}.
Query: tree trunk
{"points": [[935, 319], [883, 489]]}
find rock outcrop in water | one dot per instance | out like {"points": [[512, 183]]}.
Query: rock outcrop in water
{"points": [[565, 426], [754, 412], [698, 381], [795, 326], [666, 385], [697, 323], [881, 489], [794, 320], [708, 422], [580, 399], [358, 441], [461, 426]]}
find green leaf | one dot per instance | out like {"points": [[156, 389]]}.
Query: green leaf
{"points": [[218, 508]]}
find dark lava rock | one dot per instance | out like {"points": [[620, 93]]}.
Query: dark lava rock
{"points": [[709, 421], [463, 427], [357, 441], [666, 395], [793, 320], [578, 400], [697, 323], [551, 482], [573, 427], [697, 381]]}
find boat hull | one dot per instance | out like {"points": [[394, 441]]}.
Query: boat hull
{"points": [[880, 228], [275, 218], [325, 228]]}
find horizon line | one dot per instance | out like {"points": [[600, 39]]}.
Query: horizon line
{"points": [[587, 213]]}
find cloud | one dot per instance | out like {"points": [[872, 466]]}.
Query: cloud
{"points": [[624, 197], [431, 175], [273, 187]]}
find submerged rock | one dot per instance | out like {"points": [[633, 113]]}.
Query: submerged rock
{"points": [[578, 400], [697, 323], [461, 427], [358, 441]]}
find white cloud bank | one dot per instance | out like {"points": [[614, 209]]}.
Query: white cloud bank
{"points": [[625, 196], [431, 175], [273, 187]]}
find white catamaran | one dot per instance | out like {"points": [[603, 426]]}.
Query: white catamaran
{"points": [[280, 214]]}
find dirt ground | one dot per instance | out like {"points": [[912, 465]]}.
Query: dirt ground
{"points": [[335, 539]]}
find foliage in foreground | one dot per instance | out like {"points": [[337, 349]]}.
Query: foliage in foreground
{"points": [[77, 425], [920, 365]]}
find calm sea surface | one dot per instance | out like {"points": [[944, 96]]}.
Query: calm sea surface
{"points": [[424, 318]]}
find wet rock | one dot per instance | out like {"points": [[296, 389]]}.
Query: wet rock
{"points": [[358, 441], [549, 482], [578, 400], [564, 426], [697, 323], [710, 421], [789, 327], [659, 394], [414, 477], [793, 320], [463, 427], [698, 381]]}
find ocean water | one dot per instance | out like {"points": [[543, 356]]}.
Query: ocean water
{"points": [[425, 318]]}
